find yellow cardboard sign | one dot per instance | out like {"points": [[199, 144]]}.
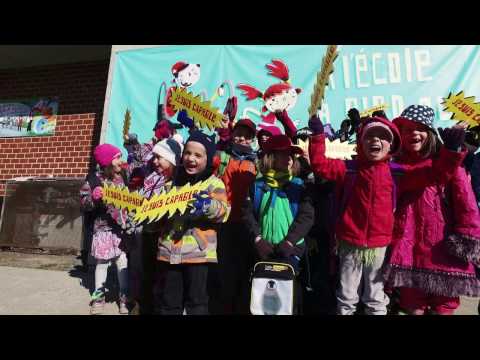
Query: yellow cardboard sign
{"points": [[121, 197], [169, 202], [202, 112], [463, 108], [339, 150], [370, 111], [333, 149]]}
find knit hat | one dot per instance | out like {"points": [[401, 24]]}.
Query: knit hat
{"points": [[419, 113], [246, 123], [281, 142], [385, 124], [208, 143], [170, 149], [376, 124], [105, 153]]}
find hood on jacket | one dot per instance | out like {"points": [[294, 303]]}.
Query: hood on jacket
{"points": [[397, 140]]}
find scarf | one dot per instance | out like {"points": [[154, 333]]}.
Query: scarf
{"points": [[365, 256], [242, 152], [276, 179]]}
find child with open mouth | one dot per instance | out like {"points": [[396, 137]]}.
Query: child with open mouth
{"points": [[366, 196]]}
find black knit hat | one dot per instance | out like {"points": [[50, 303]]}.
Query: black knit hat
{"points": [[207, 141], [420, 113]]}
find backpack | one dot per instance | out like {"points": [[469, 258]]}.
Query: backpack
{"points": [[273, 288], [293, 191]]}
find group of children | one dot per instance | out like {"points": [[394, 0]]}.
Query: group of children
{"points": [[399, 221]]}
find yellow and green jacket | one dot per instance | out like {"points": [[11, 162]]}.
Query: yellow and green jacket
{"points": [[185, 240]]}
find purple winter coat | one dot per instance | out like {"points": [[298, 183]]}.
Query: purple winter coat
{"points": [[436, 239]]}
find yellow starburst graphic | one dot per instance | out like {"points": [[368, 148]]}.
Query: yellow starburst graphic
{"points": [[121, 197], [339, 150], [204, 115], [463, 108], [169, 202], [370, 111]]}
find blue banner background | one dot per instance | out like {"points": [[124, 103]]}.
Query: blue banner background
{"points": [[365, 75]]}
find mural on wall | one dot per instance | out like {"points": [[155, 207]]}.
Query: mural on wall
{"points": [[33, 117], [333, 79]]}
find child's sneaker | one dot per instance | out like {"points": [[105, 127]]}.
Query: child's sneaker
{"points": [[98, 303], [122, 305]]}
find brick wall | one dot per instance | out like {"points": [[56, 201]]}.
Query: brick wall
{"points": [[81, 91]]}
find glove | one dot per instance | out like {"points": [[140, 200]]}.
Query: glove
{"points": [[285, 248], [315, 124], [264, 249], [201, 205], [453, 138], [354, 115], [231, 108], [280, 115], [183, 119], [97, 193]]}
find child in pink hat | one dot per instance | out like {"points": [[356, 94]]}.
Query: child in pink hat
{"points": [[112, 227]]}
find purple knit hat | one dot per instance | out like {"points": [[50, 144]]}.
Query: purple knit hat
{"points": [[105, 153]]}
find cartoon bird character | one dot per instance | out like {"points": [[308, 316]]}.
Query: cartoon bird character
{"points": [[278, 98]]}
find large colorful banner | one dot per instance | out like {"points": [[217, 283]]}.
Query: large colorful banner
{"points": [[33, 117], [364, 76]]}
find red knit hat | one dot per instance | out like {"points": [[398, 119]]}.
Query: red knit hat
{"points": [[105, 153], [279, 143]]}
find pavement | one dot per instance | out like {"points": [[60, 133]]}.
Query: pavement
{"points": [[33, 284]]}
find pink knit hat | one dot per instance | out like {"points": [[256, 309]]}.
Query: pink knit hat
{"points": [[105, 153]]}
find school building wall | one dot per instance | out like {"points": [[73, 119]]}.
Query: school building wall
{"points": [[81, 90]]}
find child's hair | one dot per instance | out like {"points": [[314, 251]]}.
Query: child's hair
{"points": [[265, 163], [109, 173], [431, 146]]}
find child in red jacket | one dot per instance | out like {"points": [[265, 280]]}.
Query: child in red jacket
{"points": [[365, 219]]}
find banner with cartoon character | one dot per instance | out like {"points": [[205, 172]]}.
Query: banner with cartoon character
{"points": [[34, 117], [271, 82]]}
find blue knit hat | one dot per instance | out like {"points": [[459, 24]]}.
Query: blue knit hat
{"points": [[208, 143]]}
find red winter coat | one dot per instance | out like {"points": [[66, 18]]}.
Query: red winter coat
{"points": [[368, 217]]}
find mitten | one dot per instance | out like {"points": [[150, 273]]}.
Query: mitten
{"points": [[264, 248], [315, 124], [201, 205], [453, 138], [183, 119], [97, 193], [231, 108], [285, 248]]}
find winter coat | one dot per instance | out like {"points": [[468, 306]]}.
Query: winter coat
{"points": [[238, 175], [185, 240], [301, 225], [475, 174], [436, 240], [367, 220], [109, 239]]}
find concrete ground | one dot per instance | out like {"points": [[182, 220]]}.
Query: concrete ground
{"points": [[32, 284]]}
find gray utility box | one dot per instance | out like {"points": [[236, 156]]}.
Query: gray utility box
{"points": [[42, 213]]}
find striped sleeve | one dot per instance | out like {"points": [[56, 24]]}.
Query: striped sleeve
{"points": [[219, 207]]}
